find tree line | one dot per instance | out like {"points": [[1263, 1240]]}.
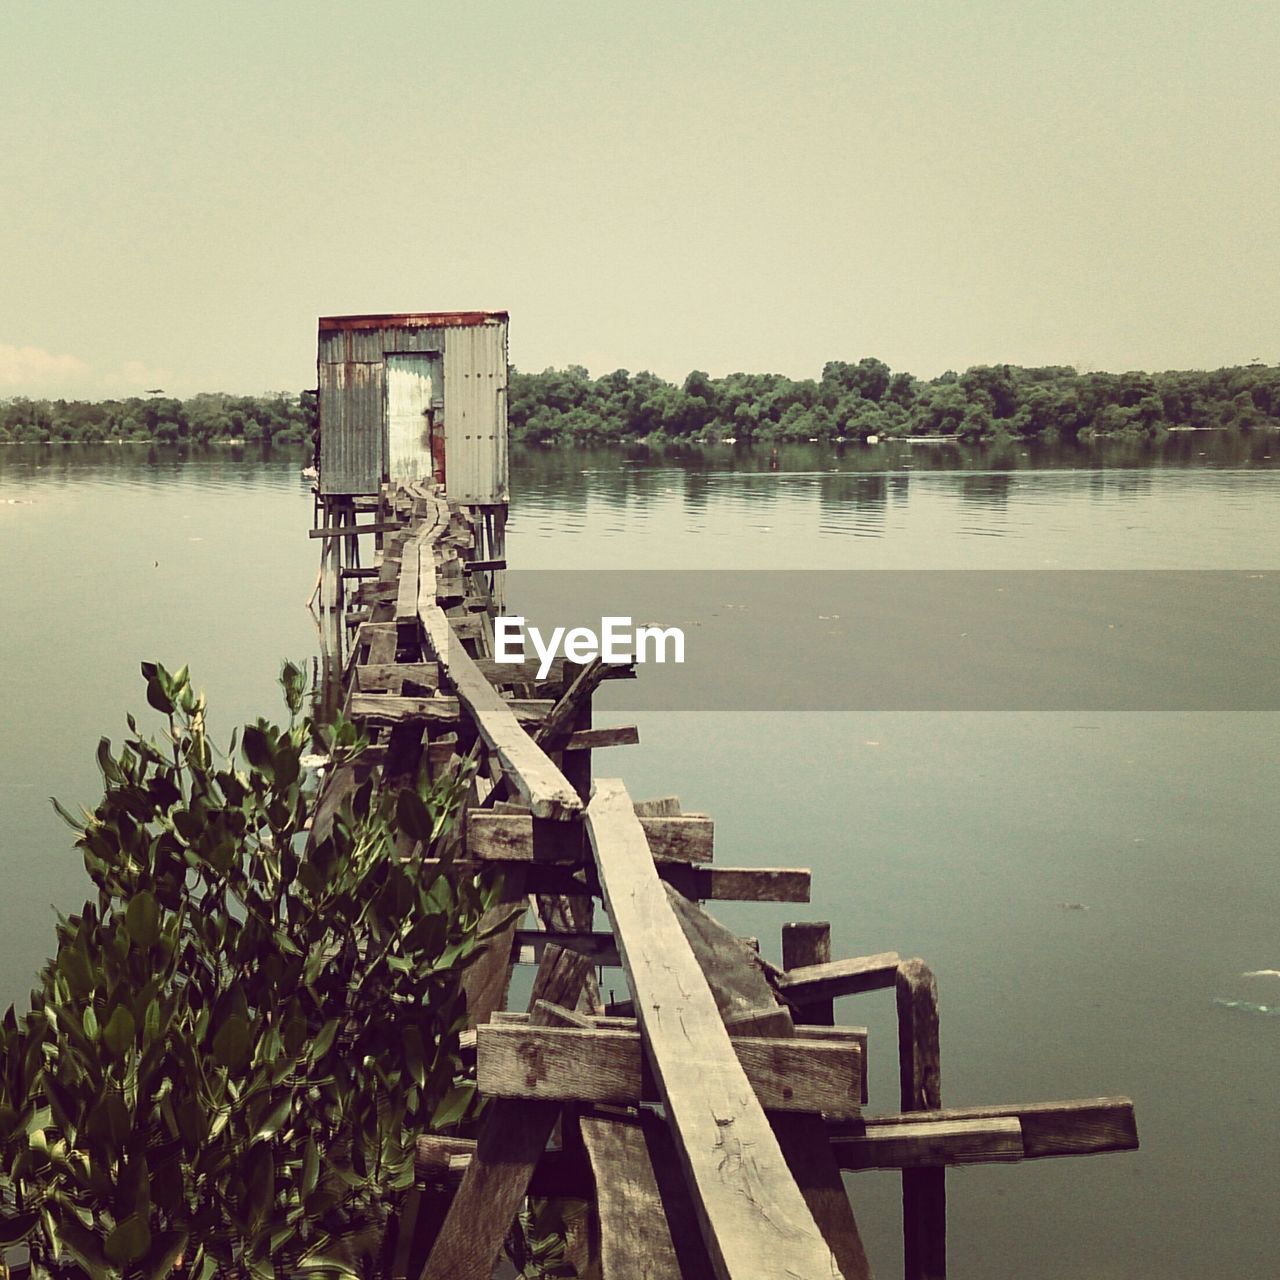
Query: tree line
{"points": [[854, 401], [283, 418], [849, 401]]}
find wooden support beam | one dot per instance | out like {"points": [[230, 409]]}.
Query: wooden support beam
{"points": [[573, 1064], [724, 884], [509, 837], [386, 708], [528, 945], [374, 677], [623, 735], [482, 566], [347, 530], [754, 1220], [932, 1144], [839, 978]]}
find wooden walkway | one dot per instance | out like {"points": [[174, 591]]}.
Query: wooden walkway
{"points": [[708, 1120]]}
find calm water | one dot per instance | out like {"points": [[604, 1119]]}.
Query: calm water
{"points": [[954, 836]]}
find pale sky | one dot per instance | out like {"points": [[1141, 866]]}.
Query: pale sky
{"points": [[714, 185]]}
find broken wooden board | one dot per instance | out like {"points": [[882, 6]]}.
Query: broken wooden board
{"points": [[623, 735], [839, 978], [572, 1064], [386, 708], [1080, 1127], [754, 1220], [726, 884], [509, 837]]}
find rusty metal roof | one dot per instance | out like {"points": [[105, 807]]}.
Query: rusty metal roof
{"points": [[410, 320]]}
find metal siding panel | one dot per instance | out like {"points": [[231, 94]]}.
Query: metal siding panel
{"points": [[475, 419], [407, 340], [367, 347], [351, 420], [330, 348]]}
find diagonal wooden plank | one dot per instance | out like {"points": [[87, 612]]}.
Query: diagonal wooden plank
{"points": [[527, 767], [737, 977], [753, 1218]]}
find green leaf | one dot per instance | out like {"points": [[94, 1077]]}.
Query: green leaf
{"points": [[310, 1168], [453, 1106], [142, 919], [275, 1121], [119, 1032], [412, 815], [168, 1248], [129, 1241], [158, 698], [413, 1054], [231, 1043], [324, 1040], [257, 750]]}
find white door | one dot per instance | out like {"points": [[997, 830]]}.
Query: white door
{"points": [[415, 397]]}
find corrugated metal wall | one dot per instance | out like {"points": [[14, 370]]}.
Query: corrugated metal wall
{"points": [[352, 426], [475, 412], [353, 409]]}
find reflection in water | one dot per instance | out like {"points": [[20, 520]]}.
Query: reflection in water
{"points": [[855, 506]]}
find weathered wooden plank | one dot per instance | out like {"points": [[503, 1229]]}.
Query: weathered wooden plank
{"points": [[726, 884], [374, 677], [773, 1021], [1082, 1126], [407, 587], [527, 767], [386, 708], [528, 945], [509, 837], [622, 735], [839, 978], [600, 1065], [754, 1220], [730, 966], [641, 1237], [661, 807], [932, 1143], [347, 530]]}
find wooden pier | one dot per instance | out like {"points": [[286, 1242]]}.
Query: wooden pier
{"points": [[707, 1121]]}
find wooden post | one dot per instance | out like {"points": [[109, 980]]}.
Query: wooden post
{"points": [[804, 943], [924, 1194]]}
